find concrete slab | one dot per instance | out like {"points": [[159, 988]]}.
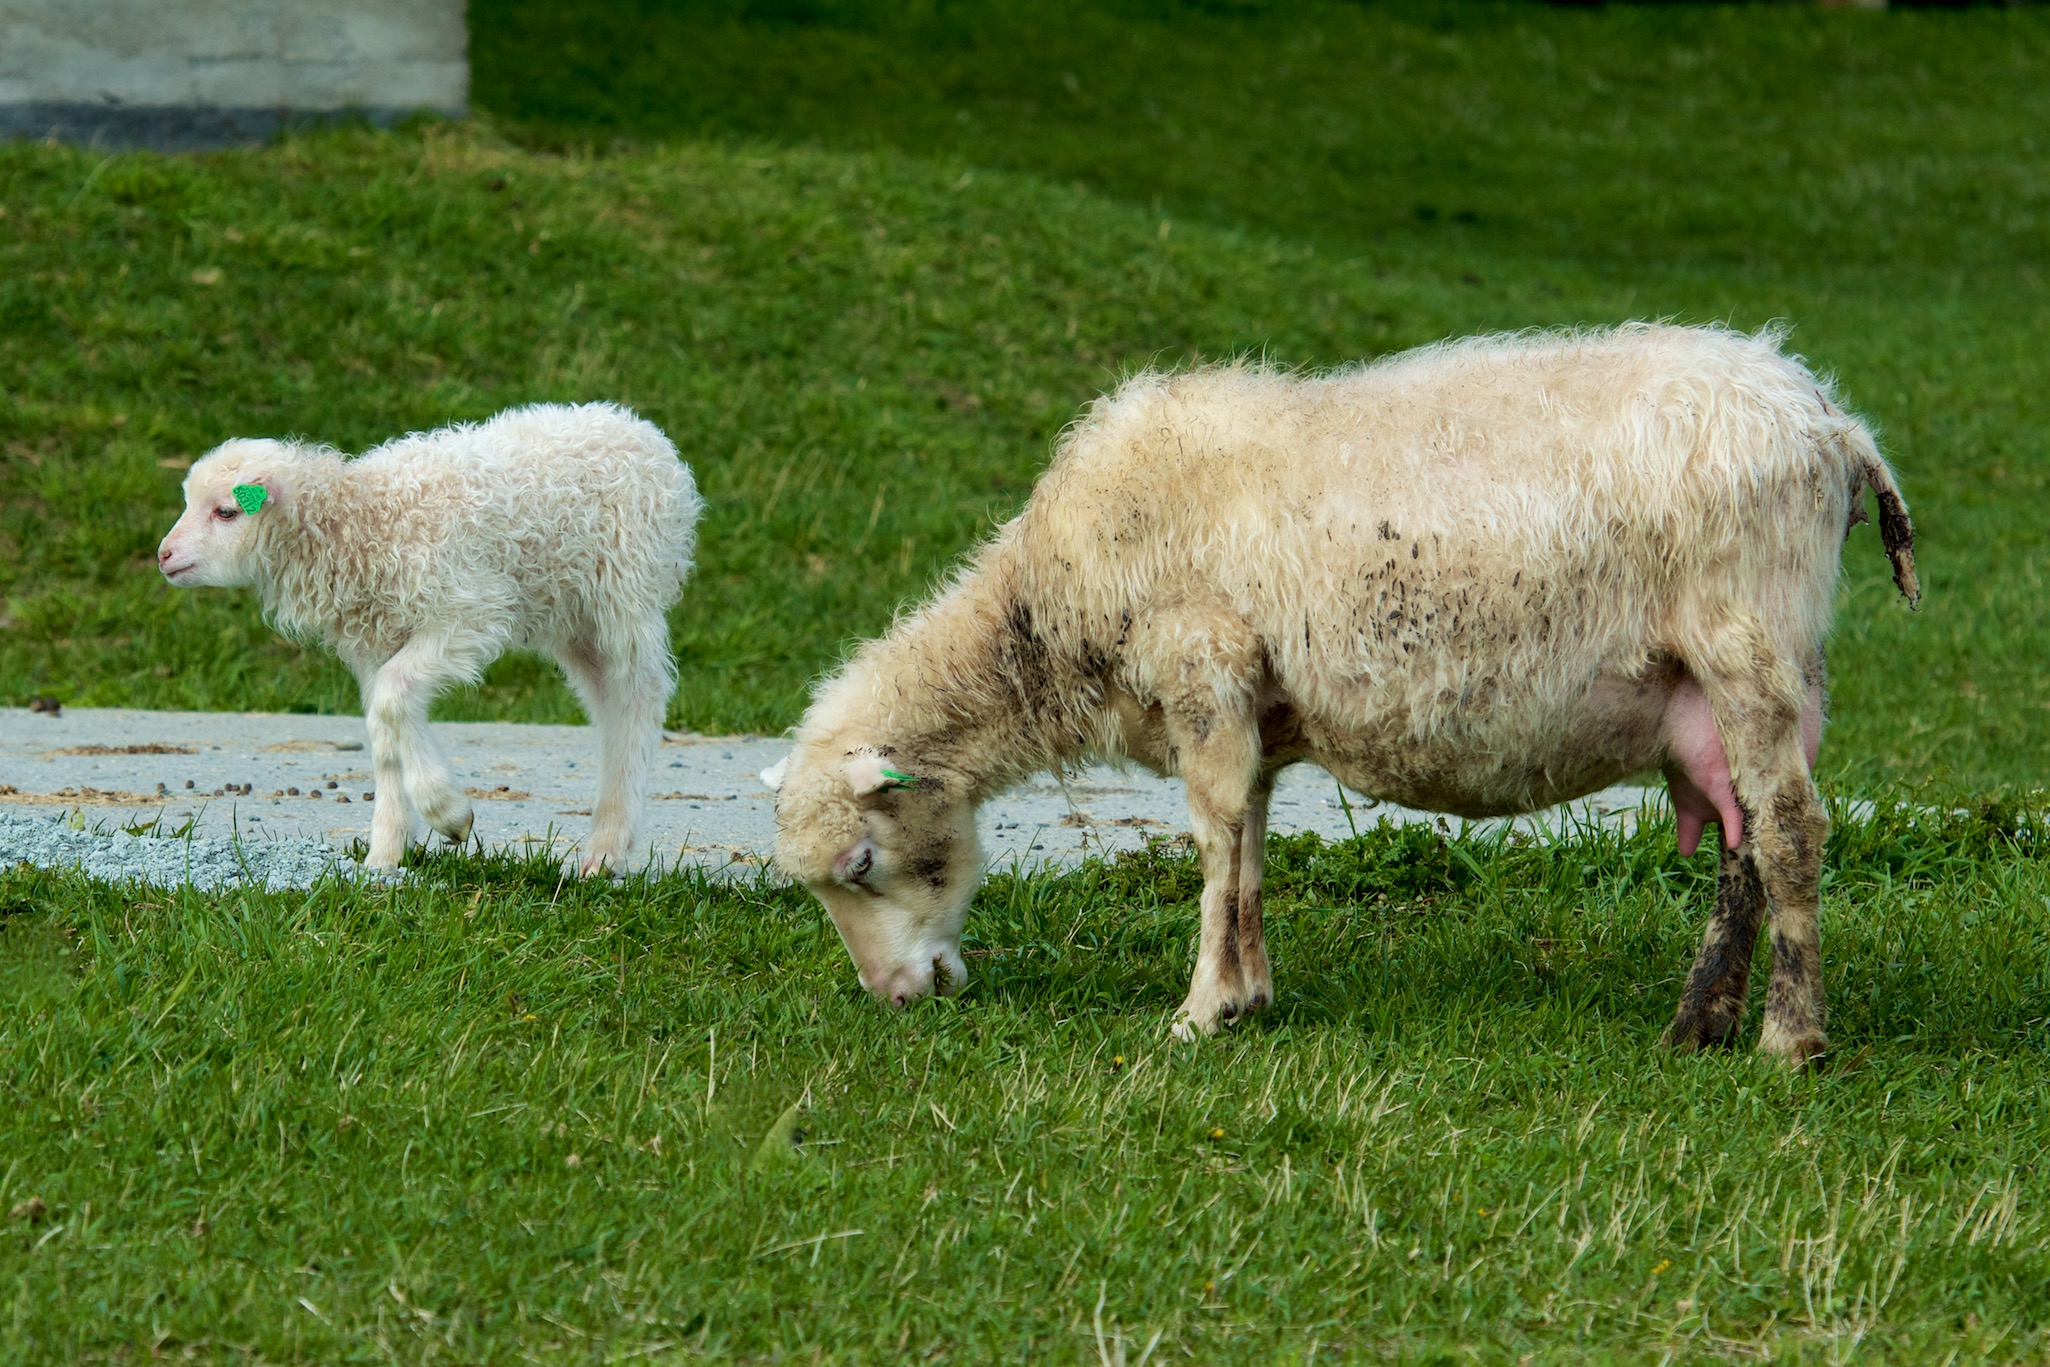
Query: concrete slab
{"points": [[267, 776], [177, 74]]}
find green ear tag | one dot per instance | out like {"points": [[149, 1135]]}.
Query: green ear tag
{"points": [[898, 780], [250, 497]]}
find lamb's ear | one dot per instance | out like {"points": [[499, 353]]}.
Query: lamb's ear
{"points": [[855, 863], [866, 773], [772, 777], [260, 491]]}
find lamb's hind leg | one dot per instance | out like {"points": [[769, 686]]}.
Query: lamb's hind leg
{"points": [[626, 696]]}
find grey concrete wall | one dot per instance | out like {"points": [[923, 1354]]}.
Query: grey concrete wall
{"points": [[194, 72]]}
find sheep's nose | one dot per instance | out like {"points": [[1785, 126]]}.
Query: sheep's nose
{"points": [[163, 554]]}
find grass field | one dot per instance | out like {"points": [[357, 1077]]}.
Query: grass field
{"points": [[495, 1117], [863, 263]]}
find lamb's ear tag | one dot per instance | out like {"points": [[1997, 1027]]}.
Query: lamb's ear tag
{"points": [[250, 497], [897, 780]]}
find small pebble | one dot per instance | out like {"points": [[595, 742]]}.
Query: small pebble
{"points": [[188, 783], [342, 797], [370, 797], [293, 792], [332, 784]]}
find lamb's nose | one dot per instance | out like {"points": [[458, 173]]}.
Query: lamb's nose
{"points": [[163, 554]]}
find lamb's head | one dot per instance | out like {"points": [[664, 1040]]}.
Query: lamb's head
{"points": [[228, 492], [889, 846]]}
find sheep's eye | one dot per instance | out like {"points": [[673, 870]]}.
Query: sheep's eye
{"points": [[227, 514]]}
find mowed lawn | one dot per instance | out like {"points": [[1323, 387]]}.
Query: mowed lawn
{"points": [[498, 1117], [863, 263]]}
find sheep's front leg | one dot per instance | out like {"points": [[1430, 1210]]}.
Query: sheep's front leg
{"points": [[1228, 813], [410, 769]]}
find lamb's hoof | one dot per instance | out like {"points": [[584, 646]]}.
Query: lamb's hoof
{"points": [[457, 828], [383, 859], [1795, 1049], [607, 854]]}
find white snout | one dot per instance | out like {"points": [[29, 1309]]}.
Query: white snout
{"points": [[174, 559], [903, 983]]}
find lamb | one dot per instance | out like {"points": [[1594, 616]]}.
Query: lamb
{"points": [[1477, 578], [567, 531]]}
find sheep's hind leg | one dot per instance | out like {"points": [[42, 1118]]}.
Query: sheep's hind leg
{"points": [[1760, 718], [407, 759], [626, 699], [1712, 1005]]}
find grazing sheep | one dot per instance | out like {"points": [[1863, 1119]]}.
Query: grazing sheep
{"points": [[1478, 578], [566, 531]]}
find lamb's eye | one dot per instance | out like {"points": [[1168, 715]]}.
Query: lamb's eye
{"points": [[227, 514]]}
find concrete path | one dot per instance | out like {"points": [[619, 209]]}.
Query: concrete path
{"points": [[264, 777]]}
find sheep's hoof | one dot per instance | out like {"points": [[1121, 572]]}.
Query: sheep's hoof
{"points": [[1692, 1032], [1795, 1050]]}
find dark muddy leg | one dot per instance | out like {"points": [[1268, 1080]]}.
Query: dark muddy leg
{"points": [[1792, 829], [1712, 1006], [1759, 713]]}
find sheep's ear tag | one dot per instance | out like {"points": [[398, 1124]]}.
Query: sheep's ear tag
{"points": [[897, 780], [250, 497]]}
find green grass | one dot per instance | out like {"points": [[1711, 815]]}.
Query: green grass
{"points": [[864, 267], [497, 1117]]}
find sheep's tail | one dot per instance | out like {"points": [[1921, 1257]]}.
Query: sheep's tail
{"points": [[1896, 533]]}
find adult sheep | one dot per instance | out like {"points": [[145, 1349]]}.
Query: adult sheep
{"points": [[562, 530], [1478, 578]]}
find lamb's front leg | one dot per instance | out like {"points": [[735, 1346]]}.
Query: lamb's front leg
{"points": [[410, 769], [391, 820]]}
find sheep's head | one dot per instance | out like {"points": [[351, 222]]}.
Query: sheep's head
{"points": [[892, 853], [227, 492]]}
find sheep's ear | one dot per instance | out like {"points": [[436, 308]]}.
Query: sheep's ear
{"points": [[866, 773], [855, 863], [772, 777]]}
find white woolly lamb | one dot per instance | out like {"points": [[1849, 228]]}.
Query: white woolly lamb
{"points": [[566, 531]]}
